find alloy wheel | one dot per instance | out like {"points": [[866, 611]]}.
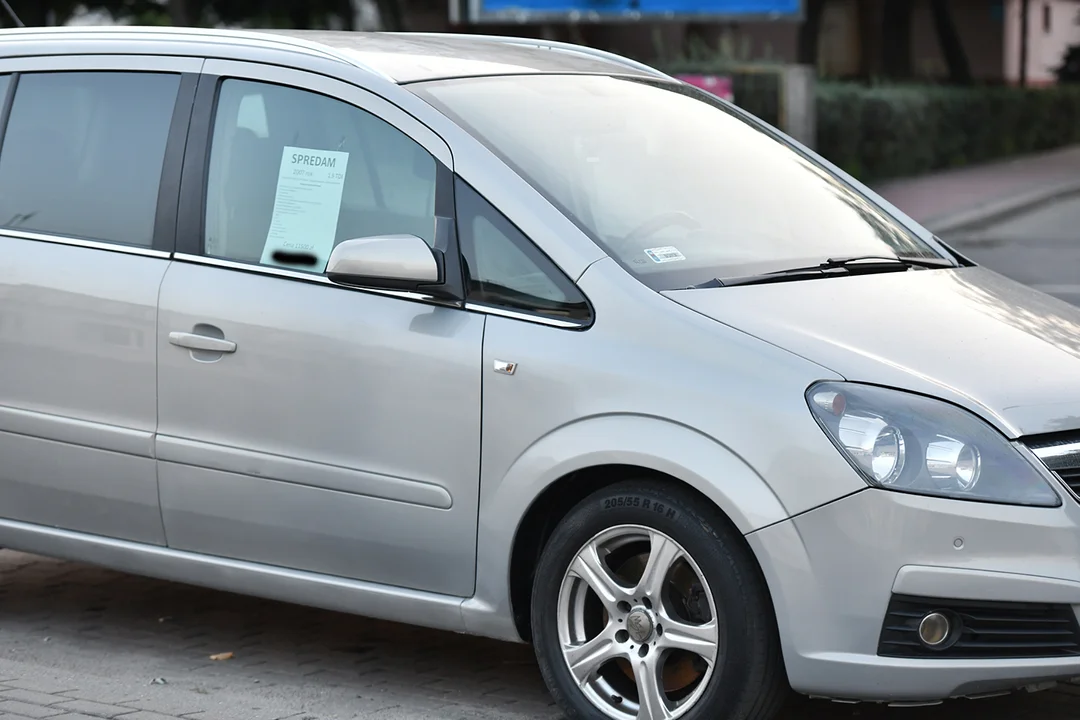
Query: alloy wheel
{"points": [[638, 625]]}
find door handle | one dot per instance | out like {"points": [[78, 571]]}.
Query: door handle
{"points": [[193, 341]]}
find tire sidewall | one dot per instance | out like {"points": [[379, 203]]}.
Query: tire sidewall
{"points": [[712, 548]]}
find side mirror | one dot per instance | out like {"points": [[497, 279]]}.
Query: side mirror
{"points": [[387, 262]]}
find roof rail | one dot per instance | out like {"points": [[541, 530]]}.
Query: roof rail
{"points": [[281, 39], [553, 44]]}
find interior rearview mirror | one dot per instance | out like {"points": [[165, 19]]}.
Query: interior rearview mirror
{"points": [[389, 262]]}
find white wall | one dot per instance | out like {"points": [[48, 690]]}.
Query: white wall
{"points": [[1046, 45]]}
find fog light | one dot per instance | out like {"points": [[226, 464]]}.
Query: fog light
{"points": [[934, 630]]}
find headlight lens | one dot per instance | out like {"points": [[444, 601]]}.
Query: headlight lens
{"points": [[907, 442]]}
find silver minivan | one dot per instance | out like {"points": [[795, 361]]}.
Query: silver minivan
{"points": [[524, 340]]}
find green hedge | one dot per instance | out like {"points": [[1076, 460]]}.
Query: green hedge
{"points": [[878, 132], [891, 131]]}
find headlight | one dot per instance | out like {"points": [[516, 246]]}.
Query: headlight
{"points": [[907, 442]]}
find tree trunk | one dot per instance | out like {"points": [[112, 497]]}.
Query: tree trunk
{"points": [[347, 12], [180, 13], [810, 32], [1025, 12], [33, 14], [868, 15], [391, 15], [186, 12], [949, 40], [896, 39], [700, 34], [299, 16]]}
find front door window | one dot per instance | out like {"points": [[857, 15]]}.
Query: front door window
{"points": [[293, 173]]}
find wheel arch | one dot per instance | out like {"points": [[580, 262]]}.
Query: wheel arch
{"points": [[564, 467]]}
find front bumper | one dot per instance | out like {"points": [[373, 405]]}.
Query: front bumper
{"points": [[832, 572]]}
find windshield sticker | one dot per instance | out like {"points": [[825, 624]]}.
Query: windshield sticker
{"points": [[306, 206], [664, 254]]}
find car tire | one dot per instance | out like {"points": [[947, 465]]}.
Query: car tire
{"points": [[618, 642]]}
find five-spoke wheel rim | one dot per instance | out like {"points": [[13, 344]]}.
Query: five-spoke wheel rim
{"points": [[642, 645]]}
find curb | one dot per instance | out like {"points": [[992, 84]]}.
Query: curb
{"points": [[1000, 209]]}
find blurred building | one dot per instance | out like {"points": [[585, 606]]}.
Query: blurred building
{"points": [[1053, 26], [989, 31], [850, 38]]}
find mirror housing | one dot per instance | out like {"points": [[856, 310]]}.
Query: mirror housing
{"points": [[388, 262]]}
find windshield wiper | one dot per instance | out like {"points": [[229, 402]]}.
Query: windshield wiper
{"points": [[855, 265]]}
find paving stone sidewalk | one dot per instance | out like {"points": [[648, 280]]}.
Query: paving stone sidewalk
{"points": [[972, 194], [79, 642]]}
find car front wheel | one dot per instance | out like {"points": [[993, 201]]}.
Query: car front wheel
{"points": [[648, 605]]}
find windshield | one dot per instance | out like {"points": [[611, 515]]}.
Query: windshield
{"points": [[669, 182]]}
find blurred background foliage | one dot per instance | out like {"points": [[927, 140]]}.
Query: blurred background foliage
{"points": [[253, 13], [887, 131]]}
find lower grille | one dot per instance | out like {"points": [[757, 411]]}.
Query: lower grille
{"points": [[985, 630]]}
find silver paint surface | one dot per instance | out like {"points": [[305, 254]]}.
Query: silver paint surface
{"points": [[78, 403], [362, 451], [997, 347], [342, 436]]}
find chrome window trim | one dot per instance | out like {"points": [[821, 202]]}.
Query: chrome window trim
{"points": [[401, 294], [522, 315], [294, 275], [102, 63], [83, 243]]}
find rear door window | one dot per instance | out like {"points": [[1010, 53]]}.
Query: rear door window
{"points": [[83, 153]]}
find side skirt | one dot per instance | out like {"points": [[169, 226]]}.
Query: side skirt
{"points": [[413, 607]]}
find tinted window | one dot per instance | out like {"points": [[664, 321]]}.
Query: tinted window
{"points": [[505, 268], [83, 154], [299, 172], [666, 179]]}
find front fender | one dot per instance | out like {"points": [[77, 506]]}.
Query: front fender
{"points": [[696, 459]]}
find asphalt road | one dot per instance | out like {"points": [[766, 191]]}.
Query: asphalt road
{"points": [[78, 642], [1040, 248]]}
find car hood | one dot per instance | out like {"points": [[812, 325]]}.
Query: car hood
{"points": [[967, 335]]}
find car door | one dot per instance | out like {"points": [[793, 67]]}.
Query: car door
{"points": [[89, 171], [305, 424]]}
